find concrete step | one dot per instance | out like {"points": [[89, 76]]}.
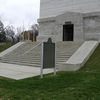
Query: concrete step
{"points": [[23, 55], [25, 64]]}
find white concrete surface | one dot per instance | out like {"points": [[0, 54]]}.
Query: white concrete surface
{"points": [[79, 58], [47, 7], [54, 26], [18, 72], [83, 14], [11, 49]]}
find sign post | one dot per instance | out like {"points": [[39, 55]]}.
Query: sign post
{"points": [[48, 56]]}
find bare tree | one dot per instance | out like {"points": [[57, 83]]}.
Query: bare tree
{"points": [[19, 31], [9, 30], [2, 33], [35, 29]]}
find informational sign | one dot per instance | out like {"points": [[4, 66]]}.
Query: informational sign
{"points": [[48, 55]]}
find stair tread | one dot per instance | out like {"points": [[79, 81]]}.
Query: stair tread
{"points": [[64, 50]]}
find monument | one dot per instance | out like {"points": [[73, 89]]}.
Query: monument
{"points": [[69, 20]]}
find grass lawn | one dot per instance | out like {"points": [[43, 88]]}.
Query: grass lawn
{"points": [[81, 85], [4, 46]]}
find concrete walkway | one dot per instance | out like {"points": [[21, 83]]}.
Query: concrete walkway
{"points": [[18, 72]]}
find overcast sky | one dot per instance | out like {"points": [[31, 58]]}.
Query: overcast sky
{"points": [[19, 12]]}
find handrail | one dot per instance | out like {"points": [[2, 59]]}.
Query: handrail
{"points": [[33, 48]]}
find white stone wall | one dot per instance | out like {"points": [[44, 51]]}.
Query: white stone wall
{"points": [[76, 19], [54, 28], [50, 8], [92, 27], [47, 29]]}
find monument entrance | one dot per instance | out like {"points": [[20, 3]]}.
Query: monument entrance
{"points": [[68, 30]]}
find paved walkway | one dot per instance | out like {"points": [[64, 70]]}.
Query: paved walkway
{"points": [[18, 72]]}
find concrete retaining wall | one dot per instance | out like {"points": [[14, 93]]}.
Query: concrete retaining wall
{"points": [[79, 58], [10, 49]]}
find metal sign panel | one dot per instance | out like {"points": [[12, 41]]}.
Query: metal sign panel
{"points": [[48, 55]]}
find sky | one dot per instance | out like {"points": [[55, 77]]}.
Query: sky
{"points": [[19, 12]]}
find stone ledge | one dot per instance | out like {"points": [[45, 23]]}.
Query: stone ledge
{"points": [[10, 49], [79, 58]]}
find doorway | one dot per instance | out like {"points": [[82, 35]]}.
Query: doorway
{"points": [[68, 30]]}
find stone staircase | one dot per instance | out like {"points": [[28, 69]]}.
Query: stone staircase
{"points": [[64, 50], [24, 55], [29, 54]]}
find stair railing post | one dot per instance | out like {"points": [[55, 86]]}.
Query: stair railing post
{"points": [[55, 61], [41, 73]]}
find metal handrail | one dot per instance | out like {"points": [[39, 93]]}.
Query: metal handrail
{"points": [[33, 48]]}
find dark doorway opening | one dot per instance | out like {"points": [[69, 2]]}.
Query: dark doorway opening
{"points": [[68, 30]]}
